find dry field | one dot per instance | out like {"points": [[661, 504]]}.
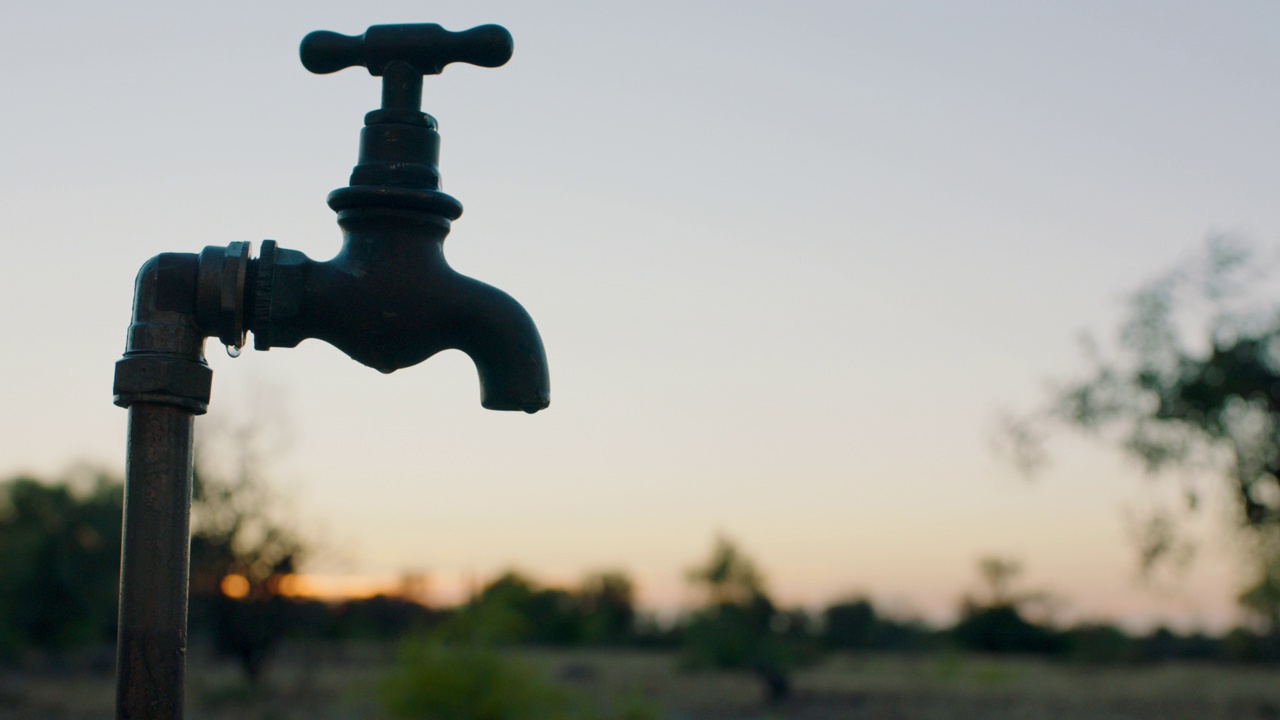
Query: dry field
{"points": [[317, 682]]}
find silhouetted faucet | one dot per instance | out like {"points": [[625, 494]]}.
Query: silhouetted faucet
{"points": [[388, 299]]}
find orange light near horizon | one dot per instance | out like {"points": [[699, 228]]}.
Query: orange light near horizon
{"points": [[288, 586], [235, 586], [349, 587]]}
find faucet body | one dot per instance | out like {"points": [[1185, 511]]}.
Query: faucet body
{"points": [[388, 299]]}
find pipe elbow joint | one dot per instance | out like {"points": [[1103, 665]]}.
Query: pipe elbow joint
{"points": [[164, 360]]}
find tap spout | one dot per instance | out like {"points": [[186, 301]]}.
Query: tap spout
{"points": [[389, 300]]}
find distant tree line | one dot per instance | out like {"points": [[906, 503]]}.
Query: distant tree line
{"points": [[58, 588]]}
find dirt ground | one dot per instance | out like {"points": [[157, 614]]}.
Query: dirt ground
{"points": [[317, 682]]}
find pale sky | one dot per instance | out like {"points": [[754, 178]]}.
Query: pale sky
{"points": [[789, 261]]}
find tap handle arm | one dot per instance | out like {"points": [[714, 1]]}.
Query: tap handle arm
{"points": [[426, 46]]}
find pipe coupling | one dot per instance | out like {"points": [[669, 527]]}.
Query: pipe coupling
{"points": [[163, 380], [220, 293]]}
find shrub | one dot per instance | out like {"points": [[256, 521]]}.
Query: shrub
{"points": [[1002, 629], [436, 680]]}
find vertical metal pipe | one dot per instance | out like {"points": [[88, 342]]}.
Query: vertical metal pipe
{"points": [[152, 643]]}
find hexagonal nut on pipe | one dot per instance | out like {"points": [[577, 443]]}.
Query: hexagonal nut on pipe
{"points": [[220, 292], [163, 381]]}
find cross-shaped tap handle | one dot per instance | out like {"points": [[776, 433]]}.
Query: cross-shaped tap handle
{"points": [[426, 46]]}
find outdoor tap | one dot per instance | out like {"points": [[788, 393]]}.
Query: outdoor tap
{"points": [[389, 299]]}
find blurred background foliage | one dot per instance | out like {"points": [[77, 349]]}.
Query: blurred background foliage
{"points": [[58, 590], [1191, 389], [60, 568], [58, 583]]}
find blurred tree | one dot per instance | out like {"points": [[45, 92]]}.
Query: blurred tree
{"points": [[729, 577], [1261, 597], [607, 603], [856, 625], [994, 621], [1099, 644], [739, 626], [998, 575], [1003, 629], [238, 548], [851, 625], [241, 552], [514, 609], [59, 562], [1245, 645], [1194, 385], [494, 615]]}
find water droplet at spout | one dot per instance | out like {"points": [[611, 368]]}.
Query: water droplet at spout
{"points": [[233, 351]]}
